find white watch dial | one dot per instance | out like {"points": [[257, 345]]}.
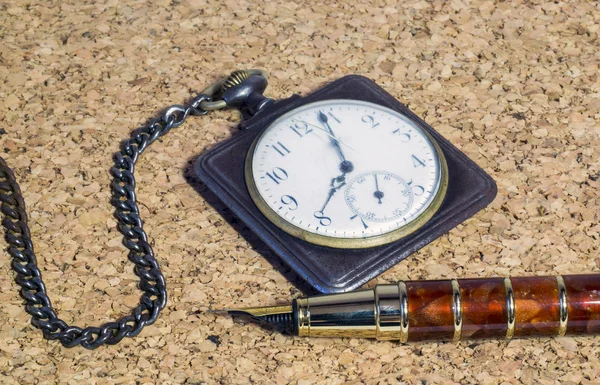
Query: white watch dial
{"points": [[345, 169]]}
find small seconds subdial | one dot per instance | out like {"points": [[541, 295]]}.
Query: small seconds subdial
{"points": [[379, 196]]}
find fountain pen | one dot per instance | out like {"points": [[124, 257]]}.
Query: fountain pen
{"points": [[445, 310]]}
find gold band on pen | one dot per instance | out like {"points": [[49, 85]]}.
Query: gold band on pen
{"points": [[303, 317], [563, 305], [510, 309], [456, 310], [377, 312], [403, 311]]}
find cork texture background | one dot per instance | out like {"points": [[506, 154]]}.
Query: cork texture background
{"points": [[515, 85]]}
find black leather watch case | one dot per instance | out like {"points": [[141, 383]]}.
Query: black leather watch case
{"points": [[327, 269]]}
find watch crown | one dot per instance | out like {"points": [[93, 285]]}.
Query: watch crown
{"points": [[236, 78]]}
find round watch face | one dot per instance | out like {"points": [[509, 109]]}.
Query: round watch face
{"points": [[346, 173]]}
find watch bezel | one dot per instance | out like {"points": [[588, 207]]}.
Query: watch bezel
{"points": [[347, 243]]}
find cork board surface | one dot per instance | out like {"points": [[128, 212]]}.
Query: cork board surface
{"points": [[514, 85]]}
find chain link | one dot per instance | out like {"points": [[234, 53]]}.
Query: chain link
{"points": [[152, 282]]}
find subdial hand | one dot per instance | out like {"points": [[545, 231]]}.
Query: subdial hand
{"points": [[378, 194]]}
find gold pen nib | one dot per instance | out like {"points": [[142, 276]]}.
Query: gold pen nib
{"points": [[279, 317]]}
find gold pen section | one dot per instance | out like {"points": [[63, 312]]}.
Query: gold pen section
{"points": [[456, 309], [374, 313]]}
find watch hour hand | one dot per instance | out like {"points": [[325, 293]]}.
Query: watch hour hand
{"points": [[331, 192], [324, 220], [336, 183]]}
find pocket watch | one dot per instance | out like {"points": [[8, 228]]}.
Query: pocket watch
{"points": [[343, 183]]}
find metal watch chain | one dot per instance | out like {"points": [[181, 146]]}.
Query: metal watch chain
{"points": [[152, 281]]}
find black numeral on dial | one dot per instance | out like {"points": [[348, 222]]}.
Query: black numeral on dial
{"points": [[418, 162], [280, 148], [277, 175], [301, 129], [290, 202], [370, 120], [404, 136], [418, 190], [334, 117], [361, 221], [323, 219]]}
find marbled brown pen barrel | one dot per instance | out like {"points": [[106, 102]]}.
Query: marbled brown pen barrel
{"points": [[583, 302], [504, 308], [537, 306], [430, 310], [484, 306]]}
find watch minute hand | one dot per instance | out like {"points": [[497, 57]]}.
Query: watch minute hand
{"points": [[333, 138], [323, 119]]}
